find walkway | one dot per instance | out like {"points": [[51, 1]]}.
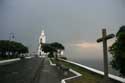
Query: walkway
{"points": [[49, 74], [21, 71]]}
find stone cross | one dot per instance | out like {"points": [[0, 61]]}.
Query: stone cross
{"points": [[104, 39]]}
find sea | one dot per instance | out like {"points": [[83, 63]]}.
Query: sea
{"points": [[91, 57]]}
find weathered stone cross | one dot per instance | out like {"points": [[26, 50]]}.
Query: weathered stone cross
{"points": [[104, 39]]}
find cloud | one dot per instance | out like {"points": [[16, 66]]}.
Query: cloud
{"points": [[92, 45], [87, 45]]}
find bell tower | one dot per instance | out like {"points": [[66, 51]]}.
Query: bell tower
{"points": [[42, 40]]}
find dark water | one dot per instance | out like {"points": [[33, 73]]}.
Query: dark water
{"points": [[89, 57], [96, 64]]}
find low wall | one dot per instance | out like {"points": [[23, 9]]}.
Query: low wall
{"points": [[120, 79], [3, 62]]}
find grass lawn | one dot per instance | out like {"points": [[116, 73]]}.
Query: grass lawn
{"points": [[87, 76]]}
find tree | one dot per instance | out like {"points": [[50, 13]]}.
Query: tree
{"points": [[47, 48], [11, 48], [118, 51], [58, 46], [52, 48]]}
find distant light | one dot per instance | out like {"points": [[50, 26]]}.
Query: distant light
{"points": [[62, 52]]}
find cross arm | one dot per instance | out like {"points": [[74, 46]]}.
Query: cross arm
{"points": [[107, 37]]}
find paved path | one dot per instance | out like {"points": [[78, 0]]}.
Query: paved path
{"points": [[33, 70], [50, 74], [20, 71]]}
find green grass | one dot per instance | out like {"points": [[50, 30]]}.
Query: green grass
{"points": [[87, 76]]}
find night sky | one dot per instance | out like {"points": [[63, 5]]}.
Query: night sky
{"points": [[70, 22]]}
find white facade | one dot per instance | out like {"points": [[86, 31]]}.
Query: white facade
{"points": [[42, 40]]}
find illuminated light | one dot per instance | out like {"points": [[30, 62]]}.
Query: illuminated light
{"points": [[62, 52]]}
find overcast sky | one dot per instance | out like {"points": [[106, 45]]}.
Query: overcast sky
{"points": [[65, 21]]}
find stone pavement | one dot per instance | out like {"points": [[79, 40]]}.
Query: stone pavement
{"points": [[49, 74]]}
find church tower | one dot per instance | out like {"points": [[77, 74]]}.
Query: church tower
{"points": [[42, 40]]}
